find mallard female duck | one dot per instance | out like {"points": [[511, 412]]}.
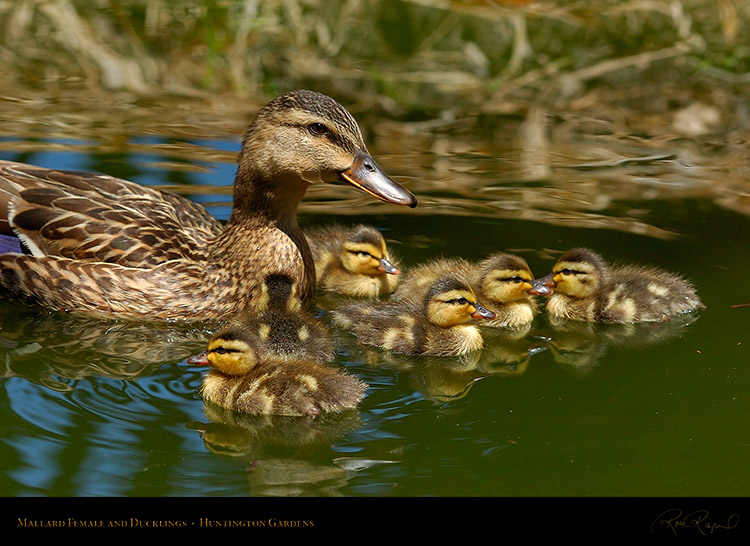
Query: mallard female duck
{"points": [[102, 245], [438, 325], [585, 287], [501, 282], [273, 362], [352, 261]]}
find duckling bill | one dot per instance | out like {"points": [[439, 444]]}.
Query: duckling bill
{"points": [[105, 246], [583, 286]]}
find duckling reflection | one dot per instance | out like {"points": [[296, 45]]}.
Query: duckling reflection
{"points": [[352, 261], [586, 288], [508, 353], [580, 345], [280, 450], [501, 282], [263, 367], [439, 324]]}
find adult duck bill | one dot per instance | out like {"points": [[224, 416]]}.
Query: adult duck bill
{"points": [[367, 176]]}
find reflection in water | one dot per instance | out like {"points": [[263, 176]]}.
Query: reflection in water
{"points": [[580, 345], [41, 345], [281, 451]]}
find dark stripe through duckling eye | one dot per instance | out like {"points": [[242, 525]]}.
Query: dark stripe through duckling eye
{"points": [[460, 301], [224, 350], [567, 271], [511, 279], [362, 253]]}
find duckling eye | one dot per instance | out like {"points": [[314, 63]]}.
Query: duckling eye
{"points": [[362, 253], [515, 279], [459, 301], [223, 350], [318, 128], [566, 271]]}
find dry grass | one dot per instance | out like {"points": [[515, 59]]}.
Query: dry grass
{"points": [[598, 101]]}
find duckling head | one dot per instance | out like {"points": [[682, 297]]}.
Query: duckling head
{"points": [[231, 352], [579, 273], [278, 293], [302, 138], [451, 302], [364, 252], [505, 278]]}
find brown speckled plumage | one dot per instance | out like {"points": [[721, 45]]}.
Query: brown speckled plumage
{"points": [[101, 245]]}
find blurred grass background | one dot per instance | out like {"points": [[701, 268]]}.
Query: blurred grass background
{"points": [[416, 59], [446, 87]]}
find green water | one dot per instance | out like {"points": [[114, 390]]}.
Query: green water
{"points": [[92, 408]]}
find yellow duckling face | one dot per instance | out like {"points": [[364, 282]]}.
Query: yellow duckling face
{"points": [[230, 352], [309, 136], [579, 273], [365, 253], [451, 303], [506, 278]]}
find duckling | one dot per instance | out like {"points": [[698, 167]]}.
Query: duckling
{"points": [[352, 261], [283, 326], [501, 281], [105, 246], [273, 362], [585, 287], [246, 378], [438, 325]]}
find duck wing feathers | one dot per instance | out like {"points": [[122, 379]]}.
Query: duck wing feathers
{"points": [[100, 218]]}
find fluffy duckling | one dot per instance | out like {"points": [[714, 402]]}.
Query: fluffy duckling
{"points": [[501, 281], [272, 363], [283, 326], [246, 378], [352, 261], [101, 245], [585, 287], [438, 325]]}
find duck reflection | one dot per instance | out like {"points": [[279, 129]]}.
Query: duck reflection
{"points": [[580, 345], [42, 345], [282, 452]]}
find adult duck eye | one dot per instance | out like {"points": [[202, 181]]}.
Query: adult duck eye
{"points": [[318, 128]]}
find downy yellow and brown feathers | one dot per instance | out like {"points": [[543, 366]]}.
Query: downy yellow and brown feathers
{"points": [[352, 261], [439, 324], [102, 245], [274, 362], [585, 287], [501, 282]]}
